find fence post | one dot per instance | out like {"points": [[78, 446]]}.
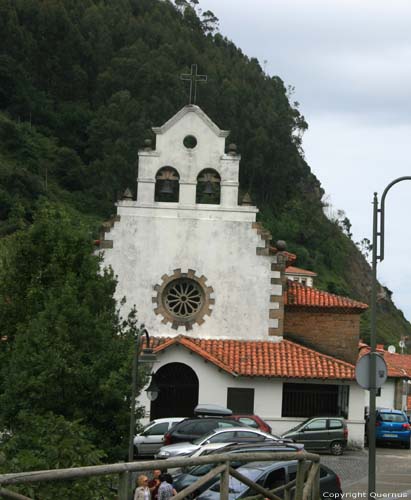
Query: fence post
{"points": [[123, 486], [225, 482], [300, 480]]}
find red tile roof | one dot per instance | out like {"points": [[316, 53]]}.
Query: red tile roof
{"points": [[298, 295], [283, 359], [297, 270], [398, 365]]}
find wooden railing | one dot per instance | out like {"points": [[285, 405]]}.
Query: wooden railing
{"points": [[304, 487]]}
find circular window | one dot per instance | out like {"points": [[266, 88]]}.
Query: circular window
{"points": [[190, 141], [183, 299]]}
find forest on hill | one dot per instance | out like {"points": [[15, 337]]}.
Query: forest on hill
{"points": [[81, 84], [83, 81]]}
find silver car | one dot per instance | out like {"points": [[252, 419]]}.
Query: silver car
{"points": [[150, 440], [229, 435]]}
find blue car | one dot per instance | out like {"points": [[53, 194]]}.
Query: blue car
{"points": [[392, 426]]}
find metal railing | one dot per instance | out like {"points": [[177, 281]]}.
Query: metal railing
{"points": [[304, 487]]}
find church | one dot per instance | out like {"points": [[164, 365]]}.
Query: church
{"points": [[232, 321]]}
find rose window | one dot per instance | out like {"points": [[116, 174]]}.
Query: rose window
{"points": [[183, 299]]}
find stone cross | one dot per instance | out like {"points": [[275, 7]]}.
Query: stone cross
{"points": [[194, 78]]}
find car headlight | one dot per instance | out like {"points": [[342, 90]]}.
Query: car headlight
{"points": [[164, 454]]}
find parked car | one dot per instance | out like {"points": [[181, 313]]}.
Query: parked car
{"points": [[392, 426], [233, 435], [321, 434], [270, 476], [253, 421], [192, 474], [193, 428], [151, 438]]}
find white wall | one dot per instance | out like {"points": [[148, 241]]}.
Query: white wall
{"points": [[213, 384], [148, 244], [387, 398]]}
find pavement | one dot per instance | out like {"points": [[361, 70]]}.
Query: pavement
{"points": [[393, 472]]}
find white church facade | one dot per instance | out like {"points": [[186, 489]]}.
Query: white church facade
{"points": [[212, 291]]}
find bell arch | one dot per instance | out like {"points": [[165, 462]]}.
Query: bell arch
{"points": [[208, 189], [167, 185], [178, 391]]}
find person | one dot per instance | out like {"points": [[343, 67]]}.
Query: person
{"points": [[154, 483], [166, 490], [142, 491]]}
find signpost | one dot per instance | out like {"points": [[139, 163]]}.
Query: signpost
{"points": [[363, 367]]}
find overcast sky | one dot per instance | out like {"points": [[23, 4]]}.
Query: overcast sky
{"points": [[350, 64]]}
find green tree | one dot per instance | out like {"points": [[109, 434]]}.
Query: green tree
{"points": [[64, 347], [50, 441]]}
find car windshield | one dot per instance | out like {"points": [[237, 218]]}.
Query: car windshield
{"points": [[150, 424], [298, 426], [236, 486]]}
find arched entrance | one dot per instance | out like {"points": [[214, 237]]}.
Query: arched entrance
{"points": [[178, 391]]}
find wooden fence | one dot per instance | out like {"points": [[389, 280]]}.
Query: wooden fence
{"points": [[304, 487]]}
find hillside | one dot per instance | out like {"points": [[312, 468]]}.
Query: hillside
{"points": [[83, 81]]}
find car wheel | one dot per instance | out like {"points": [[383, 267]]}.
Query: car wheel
{"points": [[337, 448], [407, 445]]}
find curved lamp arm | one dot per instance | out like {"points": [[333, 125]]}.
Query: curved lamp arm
{"points": [[382, 212]]}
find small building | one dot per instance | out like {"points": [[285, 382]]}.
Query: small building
{"points": [[301, 276], [212, 290]]}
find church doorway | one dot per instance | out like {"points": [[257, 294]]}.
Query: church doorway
{"points": [[178, 391]]}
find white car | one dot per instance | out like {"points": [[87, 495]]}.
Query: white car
{"points": [[151, 439], [228, 435]]}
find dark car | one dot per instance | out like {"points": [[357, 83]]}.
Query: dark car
{"points": [[321, 434], [270, 476], [192, 428], [192, 474], [252, 421], [392, 426]]}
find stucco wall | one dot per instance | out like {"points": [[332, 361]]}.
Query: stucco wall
{"points": [[268, 393], [387, 398], [148, 244]]}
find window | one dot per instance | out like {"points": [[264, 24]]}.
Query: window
{"points": [[225, 425], [183, 298], [317, 425], [305, 400], [208, 187], [275, 479], [248, 436], [223, 437], [157, 430], [190, 142], [335, 424], [240, 400], [249, 422]]}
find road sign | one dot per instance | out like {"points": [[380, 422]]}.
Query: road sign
{"points": [[362, 371]]}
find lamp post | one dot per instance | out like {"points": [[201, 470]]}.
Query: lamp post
{"points": [[378, 234], [147, 356]]}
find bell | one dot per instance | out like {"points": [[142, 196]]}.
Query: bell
{"points": [[166, 187], [208, 189]]}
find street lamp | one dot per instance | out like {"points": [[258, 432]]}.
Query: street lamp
{"points": [[152, 390], [147, 356], [378, 232]]}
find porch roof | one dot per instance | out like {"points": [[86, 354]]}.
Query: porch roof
{"points": [[284, 359]]}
